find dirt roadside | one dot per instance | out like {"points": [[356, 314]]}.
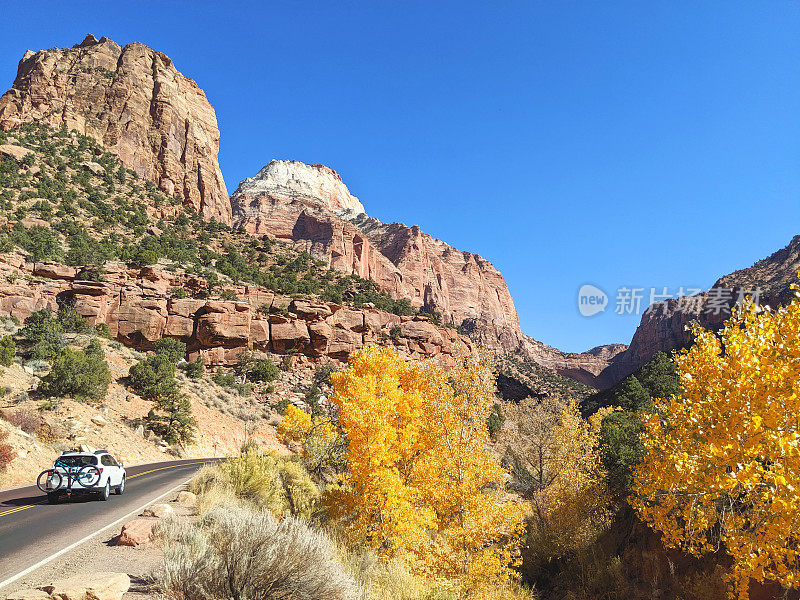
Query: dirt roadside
{"points": [[100, 554]]}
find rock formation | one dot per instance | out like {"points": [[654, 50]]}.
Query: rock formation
{"points": [[310, 206], [590, 368], [137, 104], [136, 305], [666, 327]]}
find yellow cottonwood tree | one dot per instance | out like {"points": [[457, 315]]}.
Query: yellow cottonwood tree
{"points": [[722, 471], [575, 505], [321, 442], [423, 485]]}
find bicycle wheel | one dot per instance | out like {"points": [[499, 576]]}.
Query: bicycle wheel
{"points": [[88, 476], [49, 480]]}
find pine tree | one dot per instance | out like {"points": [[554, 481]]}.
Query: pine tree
{"points": [[173, 419]]}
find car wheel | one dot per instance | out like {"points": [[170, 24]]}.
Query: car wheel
{"points": [[121, 487], [106, 492], [52, 498]]}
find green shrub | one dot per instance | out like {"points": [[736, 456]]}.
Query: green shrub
{"points": [[236, 552], [268, 481], [172, 418], [44, 333], [173, 349], [103, 330], [82, 375], [495, 421], [95, 349], [8, 349], [41, 243], [223, 379], [194, 369], [621, 447], [312, 397], [178, 292], [71, 320], [262, 370], [153, 377], [322, 374]]}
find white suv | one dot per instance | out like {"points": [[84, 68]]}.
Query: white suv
{"points": [[83, 473]]}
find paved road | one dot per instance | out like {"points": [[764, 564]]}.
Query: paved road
{"points": [[32, 530]]}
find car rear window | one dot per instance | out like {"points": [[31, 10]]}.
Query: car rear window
{"points": [[77, 461]]}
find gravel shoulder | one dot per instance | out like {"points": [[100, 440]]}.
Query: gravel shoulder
{"points": [[101, 554]]}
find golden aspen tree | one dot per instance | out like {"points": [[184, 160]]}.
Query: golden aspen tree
{"points": [[722, 471], [383, 421], [575, 504], [321, 442], [477, 525], [423, 484]]}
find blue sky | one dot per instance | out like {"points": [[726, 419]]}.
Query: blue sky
{"points": [[641, 144]]}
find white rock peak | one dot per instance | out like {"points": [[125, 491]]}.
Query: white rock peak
{"points": [[294, 179]]}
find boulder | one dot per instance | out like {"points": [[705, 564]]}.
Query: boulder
{"points": [[343, 342], [93, 167], [259, 334], [421, 331], [224, 324], [310, 311], [320, 333], [141, 322], [179, 327], [90, 586], [136, 533], [159, 511], [292, 335], [18, 153], [53, 270], [347, 318], [185, 307], [187, 498], [99, 421]]}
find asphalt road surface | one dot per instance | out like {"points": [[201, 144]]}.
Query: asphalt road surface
{"points": [[31, 530]]}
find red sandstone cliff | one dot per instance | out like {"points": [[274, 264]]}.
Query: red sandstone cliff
{"points": [[666, 328], [137, 104], [136, 305], [310, 206]]}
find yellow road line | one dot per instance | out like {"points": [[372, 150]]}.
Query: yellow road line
{"points": [[19, 508]]}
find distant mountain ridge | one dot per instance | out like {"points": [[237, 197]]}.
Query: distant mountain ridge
{"points": [[666, 329]]}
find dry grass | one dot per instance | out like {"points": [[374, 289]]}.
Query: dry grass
{"points": [[264, 480]]}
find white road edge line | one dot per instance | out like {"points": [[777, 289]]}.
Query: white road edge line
{"points": [[43, 562]]}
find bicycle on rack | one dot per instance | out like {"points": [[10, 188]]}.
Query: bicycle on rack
{"points": [[68, 472]]}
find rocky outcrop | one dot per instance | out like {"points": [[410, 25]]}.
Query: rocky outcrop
{"points": [[666, 327], [134, 101], [137, 307], [466, 288], [294, 182], [311, 207], [589, 368]]}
